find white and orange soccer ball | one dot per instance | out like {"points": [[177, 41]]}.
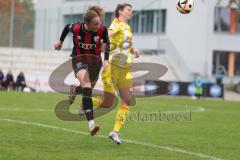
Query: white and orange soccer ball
{"points": [[185, 6]]}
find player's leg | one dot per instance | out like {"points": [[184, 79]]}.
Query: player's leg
{"points": [[94, 71], [121, 115], [75, 88], [93, 77], [82, 74], [73, 93], [108, 87], [125, 87], [109, 90], [83, 77]]}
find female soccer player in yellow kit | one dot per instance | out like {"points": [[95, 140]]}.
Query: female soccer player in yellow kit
{"points": [[119, 74]]}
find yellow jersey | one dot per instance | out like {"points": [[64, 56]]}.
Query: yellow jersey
{"points": [[121, 44]]}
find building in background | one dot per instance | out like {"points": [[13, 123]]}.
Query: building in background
{"points": [[205, 42]]}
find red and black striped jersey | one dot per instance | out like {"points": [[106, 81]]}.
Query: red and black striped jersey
{"points": [[87, 42]]}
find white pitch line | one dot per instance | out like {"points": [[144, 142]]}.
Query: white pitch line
{"points": [[26, 110], [166, 148], [198, 109]]}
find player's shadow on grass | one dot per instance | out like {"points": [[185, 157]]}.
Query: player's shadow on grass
{"points": [[62, 111]]}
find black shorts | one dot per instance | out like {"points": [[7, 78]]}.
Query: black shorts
{"points": [[93, 69]]}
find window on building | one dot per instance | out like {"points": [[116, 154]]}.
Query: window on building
{"points": [[238, 21], [237, 64], [221, 62], [226, 20], [160, 21], [73, 18], [134, 23], [108, 18], [147, 20], [152, 52], [150, 21]]}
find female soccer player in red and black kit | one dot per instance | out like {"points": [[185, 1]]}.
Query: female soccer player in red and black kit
{"points": [[88, 39]]}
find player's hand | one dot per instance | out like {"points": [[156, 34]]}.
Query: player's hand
{"points": [[103, 47], [105, 65], [135, 52], [58, 45]]}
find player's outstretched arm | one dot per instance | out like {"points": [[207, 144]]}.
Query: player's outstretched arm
{"points": [[58, 44]]}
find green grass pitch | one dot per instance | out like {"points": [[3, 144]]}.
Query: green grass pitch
{"points": [[29, 130]]}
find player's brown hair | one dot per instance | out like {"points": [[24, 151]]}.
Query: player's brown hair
{"points": [[120, 7], [92, 12]]}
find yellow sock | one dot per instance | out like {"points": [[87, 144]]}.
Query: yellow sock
{"points": [[96, 102], [121, 117]]}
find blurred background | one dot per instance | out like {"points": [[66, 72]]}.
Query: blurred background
{"points": [[199, 48]]}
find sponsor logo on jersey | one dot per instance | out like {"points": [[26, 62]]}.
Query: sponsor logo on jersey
{"points": [[86, 46]]}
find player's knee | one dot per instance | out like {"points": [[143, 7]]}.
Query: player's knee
{"points": [[108, 100], [106, 104], [126, 102], [129, 101], [86, 85]]}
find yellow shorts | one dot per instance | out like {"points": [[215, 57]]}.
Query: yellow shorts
{"points": [[116, 76]]}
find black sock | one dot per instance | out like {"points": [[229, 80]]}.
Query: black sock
{"points": [[87, 103]]}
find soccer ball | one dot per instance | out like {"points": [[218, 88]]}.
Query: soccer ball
{"points": [[185, 6]]}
